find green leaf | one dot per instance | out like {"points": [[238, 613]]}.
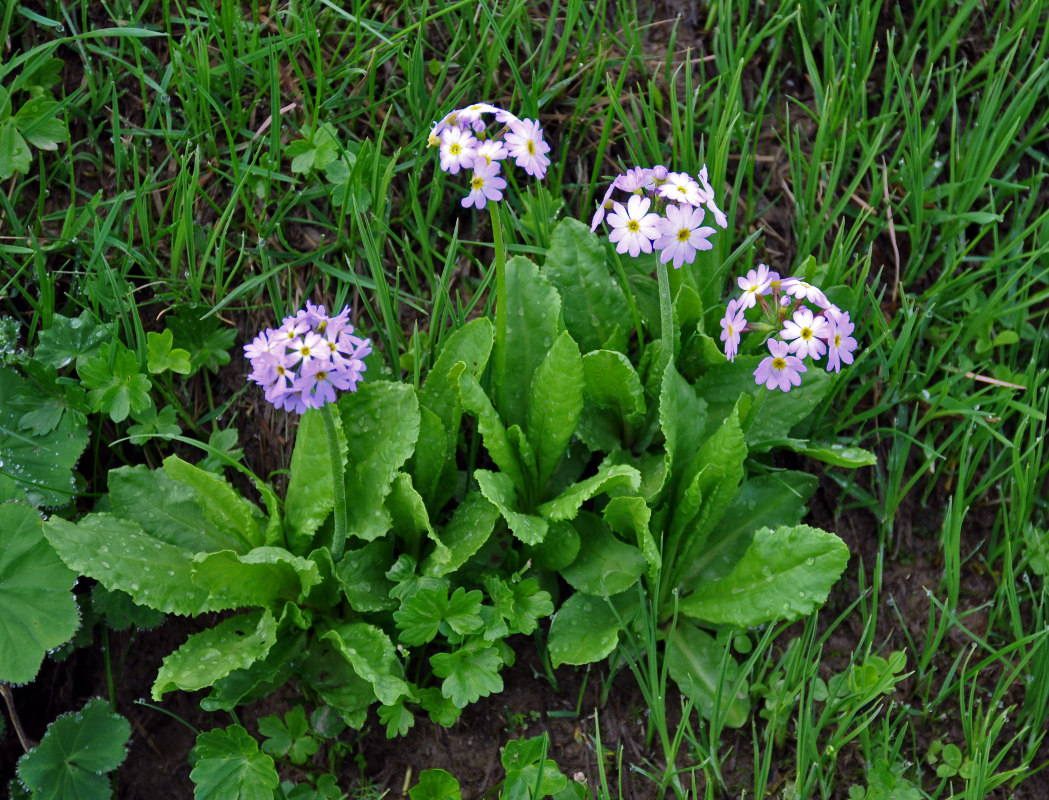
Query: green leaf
{"points": [[382, 421], [225, 510], [682, 418], [595, 308], [470, 526], [222, 442], [229, 766], [37, 609], [435, 784], [310, 496], [14, 152], [765, 501], [264, 577], [605, 566], [470, 673], [397, 719], [585, 628], [261, 677], [554, 405], [837, 454], [69, 338], [695, 660], [409, 520], [206, 657], [152, 423], [373, 657], [520, 603], [116, 387], [120, 612], [41, 465], [160, 356], [629, 516], [530, 773], [784, 574], [202, 335], [288, 738], [362, 575], [121, 556], [37, 122], [75, 753], [615, 399], [533, 308], [496, 439], [566, 505], [498, 488], [421, 615]]}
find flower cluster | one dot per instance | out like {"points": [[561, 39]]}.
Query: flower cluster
{"points": [[466, 142], [808, 325], [302, 363], [664, 211]]}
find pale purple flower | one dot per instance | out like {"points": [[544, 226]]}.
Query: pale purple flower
{"points": [[681, 234], [658, 174], [606, 204], [756, 282], [491, 150], [801, 290], [839, 340], [485, 185], [779, 370], [458, 149], [806, 332], [706, 198], [635, 180], [633, 228], [732, 326], [526, 146], [680, 188]]}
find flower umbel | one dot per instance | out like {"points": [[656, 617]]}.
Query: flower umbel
{"points": [[302, 363]]}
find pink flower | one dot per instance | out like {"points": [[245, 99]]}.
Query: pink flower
{"points": [[680, 188], [706, 197], [779, 370], [633, 228], [732, 327], [805, 333], [458, 149], [526, 146], [485, 185], [839, 340], [682, 235], [756, 282], [801, 290]]}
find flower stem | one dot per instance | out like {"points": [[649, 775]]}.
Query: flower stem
{"points": [[666, 318], [338, 539], [500, 298]]}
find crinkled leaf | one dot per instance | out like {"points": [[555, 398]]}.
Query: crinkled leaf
{"points": [[37, 610], [161, 356], [328, 673], [421, 615], [382, 421], [695, 660], [836, 454], [464, 534], [224, 508], [121, 612], [206, 657], [498, 488], [117, 553], [75, 753], [68, 338], [615, 400], [585, 628], [229, 766], [784, 574], [533, 308], [682, 416], [629, 516], [264, 577], [470, 673], [595, 308], [409, 520], [554, 405], [261, 677], [558, 549], [41, 465], [115, 385], [310, 496], [372, 656], [566, 505], [605, 565], [362, 575], [764, 501]]}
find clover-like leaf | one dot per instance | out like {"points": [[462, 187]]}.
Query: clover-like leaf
{"points": [[288, 738], [115, 385], [421, 615], [162, 356], [469, 673], [229, 766], [75, 753], [37, 609]]}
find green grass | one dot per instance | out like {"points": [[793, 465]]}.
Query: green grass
{"points": [[906, 151]]}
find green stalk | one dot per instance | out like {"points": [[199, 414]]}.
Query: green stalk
{"points": [[338, 539], [500, 302], [666, 319]]}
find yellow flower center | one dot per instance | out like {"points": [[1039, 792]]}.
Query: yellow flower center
{"points": [[806, 333], [304, 350], [683, 234], [455, 149], [779, 363], [837, 340], [531, 148], [477, 182], [322, 375], [633, 226]]}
